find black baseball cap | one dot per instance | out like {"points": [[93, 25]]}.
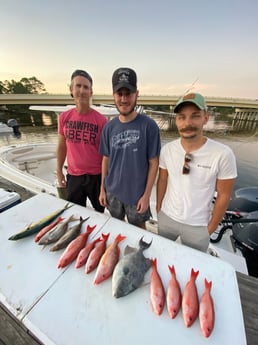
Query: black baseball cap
{"points": [[124, 77], [81, 73]]}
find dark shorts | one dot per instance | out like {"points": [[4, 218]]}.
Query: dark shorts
{"points": [[119, 210], [79, 188]]}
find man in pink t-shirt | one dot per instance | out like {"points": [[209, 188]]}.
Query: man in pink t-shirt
{"points": [[79, 131]]}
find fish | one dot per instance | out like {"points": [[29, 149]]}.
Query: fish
{"points": [[174, 294], [70, 235], [84, 253], [47, 228], [206, 310], [58, 231], [129, 272], [157, 291], [96, 254], [74, 247], [35, 227], [108, 260], [190, 301]]}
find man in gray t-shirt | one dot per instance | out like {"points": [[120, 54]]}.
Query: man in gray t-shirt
{"points": [[130, 145]]}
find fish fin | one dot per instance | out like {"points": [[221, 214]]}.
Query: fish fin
{"points": [[144, 245], [90, 228], [67, 205], [172, 270], [194, 274], [119, 238], [207, 284], [148, 263], [83, 220], [105, 236], [154, 262], [129, 250]]}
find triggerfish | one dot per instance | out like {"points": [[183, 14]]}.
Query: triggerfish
{"points": [[129, 272], [108, 260], [206, 312], [157, 291], [74, 247], [174, 295], [190, 301]]}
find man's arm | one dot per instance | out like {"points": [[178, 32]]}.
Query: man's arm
{"points": [[104, 172], [161, 187], [61, 155], [224, 190], [144, 201]]}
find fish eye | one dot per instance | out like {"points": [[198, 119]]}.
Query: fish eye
{"points": [[125, 270]]}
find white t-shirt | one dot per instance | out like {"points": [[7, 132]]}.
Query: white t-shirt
{"points": [[188, 198]]}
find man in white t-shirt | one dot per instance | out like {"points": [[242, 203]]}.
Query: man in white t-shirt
{"points": [[191, 169]]}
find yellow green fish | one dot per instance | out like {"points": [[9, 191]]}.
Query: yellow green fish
{"points": [[37, 226]]}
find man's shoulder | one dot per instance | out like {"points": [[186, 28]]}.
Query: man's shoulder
{"points": [[218, 144], [144, 118], [100, 117]]}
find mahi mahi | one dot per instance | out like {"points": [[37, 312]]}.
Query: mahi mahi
{"points": [[130, 270]]}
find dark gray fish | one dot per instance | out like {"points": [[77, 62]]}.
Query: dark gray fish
{"points": [[130, 270], [57, 232], [70, 235]]}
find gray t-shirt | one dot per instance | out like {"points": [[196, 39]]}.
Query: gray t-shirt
{"points": [[129, 147]]}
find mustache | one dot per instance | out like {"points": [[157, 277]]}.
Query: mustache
{"points": [[189, 128]]}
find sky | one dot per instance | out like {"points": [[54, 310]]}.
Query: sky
{"points": [[204, 46]]}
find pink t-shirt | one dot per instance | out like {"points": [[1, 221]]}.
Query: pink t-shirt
{"points": [[82, 133]]}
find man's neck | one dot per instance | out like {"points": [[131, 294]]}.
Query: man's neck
{"points": [[193, 144], [82, 109], [128, 118]]}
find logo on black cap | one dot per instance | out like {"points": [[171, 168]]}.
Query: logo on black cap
{"points": [[124, 77]]}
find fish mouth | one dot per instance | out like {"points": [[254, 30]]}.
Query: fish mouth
{"points": [[118, 294]]}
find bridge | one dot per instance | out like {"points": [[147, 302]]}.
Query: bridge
{"points": [[50, 99]]}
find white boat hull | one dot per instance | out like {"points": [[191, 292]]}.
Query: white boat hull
{"points": [[32, 166]]}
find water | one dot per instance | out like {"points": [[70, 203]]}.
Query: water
{"points": [[245, 148]]}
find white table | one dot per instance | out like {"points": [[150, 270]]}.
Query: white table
{"points": [[64, 307]]}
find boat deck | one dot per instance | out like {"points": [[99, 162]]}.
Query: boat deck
{"points": [[27, 295], [13, 332]]}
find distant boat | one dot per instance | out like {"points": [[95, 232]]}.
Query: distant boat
{"points": [[11, 128], [31, 166]]}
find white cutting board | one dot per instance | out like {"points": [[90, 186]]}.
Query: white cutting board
{"points": [[27, 270], [74, 311]]}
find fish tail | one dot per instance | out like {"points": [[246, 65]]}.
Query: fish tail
{"points": [[154, 263], [97, 240], [105, 236], [172, 270], [194, 274], [83, 220], [144, 245], [90, 228], [67, 205], [207, 284], [120, 238]]}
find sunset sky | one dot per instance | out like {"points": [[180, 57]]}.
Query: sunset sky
{"points": [[210, 47]]}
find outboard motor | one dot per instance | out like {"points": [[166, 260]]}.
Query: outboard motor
{"points": [[244, 200], [14, 125], [245, 229]]}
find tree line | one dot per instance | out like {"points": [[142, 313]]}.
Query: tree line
{"points": [[21, 112], [23, 86]]}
